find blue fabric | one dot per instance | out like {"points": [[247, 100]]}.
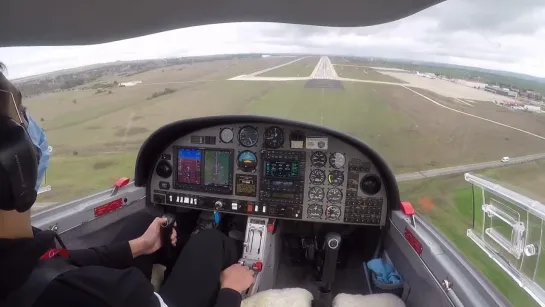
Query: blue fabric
{"points": [[384, 272], [38, 138]]}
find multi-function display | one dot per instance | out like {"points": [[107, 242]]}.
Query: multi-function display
{"points": [[206, 170]]}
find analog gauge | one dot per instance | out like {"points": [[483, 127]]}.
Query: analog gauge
{"points": [[336, 160], [370, 184], [248, 136], [335, 178], [318, 159], [334, 195], [333, 213], [316, 194], [226, 135], [247, 161], [317, 176], [315, 211], [274, 137]]}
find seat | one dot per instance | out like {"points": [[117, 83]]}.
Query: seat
{"points": [[371, 300]]}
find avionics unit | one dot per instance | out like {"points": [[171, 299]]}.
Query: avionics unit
{"points": [[282, 182], [204, 170]]}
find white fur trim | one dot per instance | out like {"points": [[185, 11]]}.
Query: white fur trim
{"points": [[372, 300], [290, 297], [160, 300]]}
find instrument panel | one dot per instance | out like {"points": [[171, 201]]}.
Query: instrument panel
{"points": [[270, 170]]}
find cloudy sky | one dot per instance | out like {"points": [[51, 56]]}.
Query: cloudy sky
{"points": [[496, 34]]}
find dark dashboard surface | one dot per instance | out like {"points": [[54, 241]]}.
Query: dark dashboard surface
{"points": [[275, 170]]}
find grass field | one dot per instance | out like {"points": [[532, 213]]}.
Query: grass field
{"points": [[96, 136], [301, 68], [364, 73], [410, 132]]}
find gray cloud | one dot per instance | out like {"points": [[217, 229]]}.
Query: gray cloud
{"points": [[490, 16], [496, 34]]}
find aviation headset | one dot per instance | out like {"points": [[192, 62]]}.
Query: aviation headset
{"points": [[18, 166]]}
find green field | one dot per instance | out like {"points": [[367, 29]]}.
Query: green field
{"points": [[364, 73], [301, 68], [397, 123]]}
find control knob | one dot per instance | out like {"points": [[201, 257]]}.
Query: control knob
{"points": [[218, 205], [163, 169]]}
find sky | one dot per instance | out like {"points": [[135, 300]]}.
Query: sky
{"points": [[495, 34]]}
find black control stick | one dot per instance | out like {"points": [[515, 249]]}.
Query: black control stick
{"points": [[332, 246], [167, 231]]}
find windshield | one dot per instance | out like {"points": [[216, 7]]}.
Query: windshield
{"points": [[455, 85]]}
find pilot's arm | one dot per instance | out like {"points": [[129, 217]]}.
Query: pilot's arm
{"points": [[120, 255], [116, 256]]}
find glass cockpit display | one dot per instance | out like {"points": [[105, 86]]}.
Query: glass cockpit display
{"points": [[283, 169], [217, 166], [206, 170], [189, 165]]}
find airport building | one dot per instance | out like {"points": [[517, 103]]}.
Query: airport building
{"points": [[500, 91]]}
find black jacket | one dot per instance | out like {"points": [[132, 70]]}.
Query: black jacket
{"points": [[103, 277]]}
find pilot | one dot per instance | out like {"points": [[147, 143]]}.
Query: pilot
{"points": [[36, 273]]}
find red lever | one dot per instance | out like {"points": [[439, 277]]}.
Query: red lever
{"points": [[121, 182], [407, 208], [258, 266]]}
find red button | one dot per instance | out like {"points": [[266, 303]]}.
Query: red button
{"points": [[258, 266], [250, 207], [270, 227]]}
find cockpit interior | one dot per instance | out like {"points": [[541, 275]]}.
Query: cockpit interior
{"points": [[308, 205]]}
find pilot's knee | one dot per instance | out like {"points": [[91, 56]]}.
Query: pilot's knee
{"points": [[210, 236]]}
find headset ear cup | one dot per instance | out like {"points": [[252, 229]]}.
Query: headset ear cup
{"points": [[26, 200], [18, 167]]}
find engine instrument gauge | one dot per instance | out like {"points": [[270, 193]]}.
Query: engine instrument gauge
{"points": [[247, 161], [335, 177], [337, 160], [333, 213], [226, 135], [248, 136], [274, 137], [318, 159], [317, 176], [315, 211], [316, 194], [334, 195]]}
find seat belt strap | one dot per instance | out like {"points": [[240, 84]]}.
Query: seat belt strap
{"points": [[42, 275]]}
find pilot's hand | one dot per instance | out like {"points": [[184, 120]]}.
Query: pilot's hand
{"points": [[237, 277], [151, 240]]}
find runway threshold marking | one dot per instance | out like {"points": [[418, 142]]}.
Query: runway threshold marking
{"points": [[474, 116], [466, 103]]}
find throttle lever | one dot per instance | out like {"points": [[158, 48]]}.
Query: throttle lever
{"points": [[167, 231]]}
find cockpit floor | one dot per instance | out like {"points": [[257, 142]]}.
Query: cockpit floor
{"points": [[349, 279]]}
